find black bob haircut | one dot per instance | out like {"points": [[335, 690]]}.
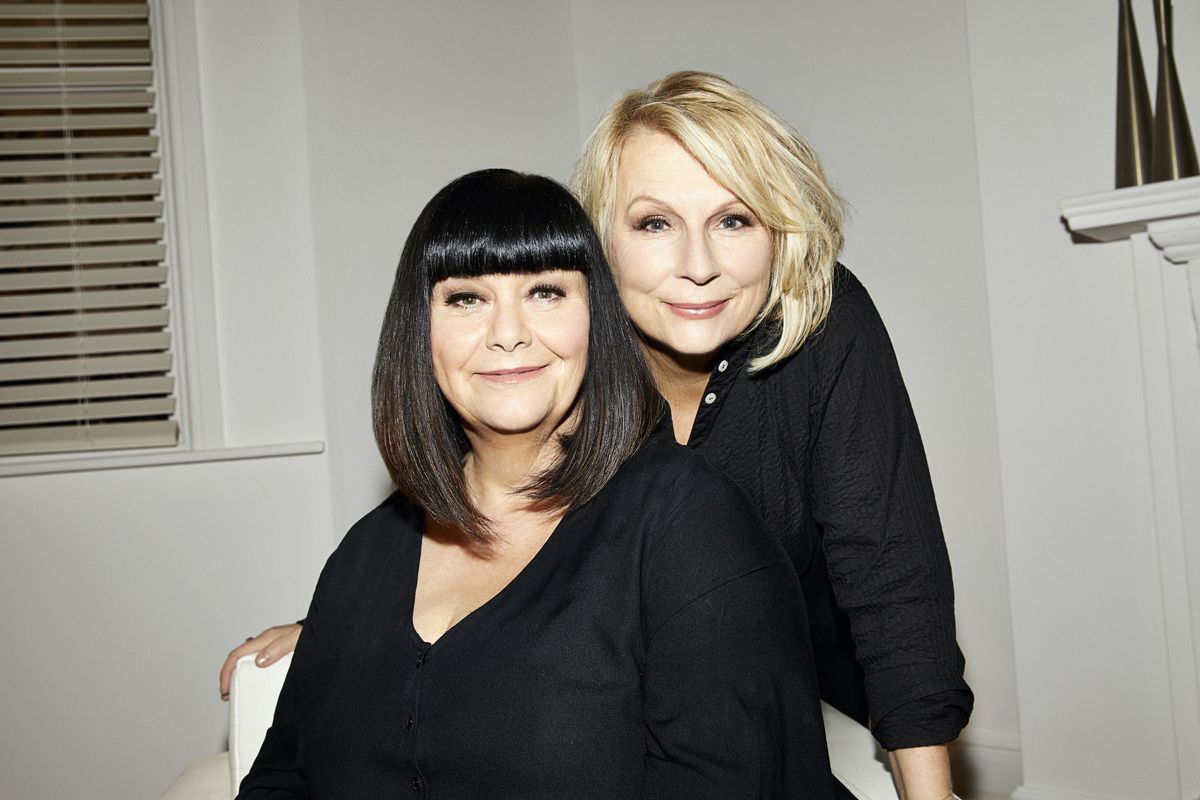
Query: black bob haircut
{"points": [[498, 221]]}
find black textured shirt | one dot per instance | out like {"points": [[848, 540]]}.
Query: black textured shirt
{"points": [[656, 646], [827, 448]]}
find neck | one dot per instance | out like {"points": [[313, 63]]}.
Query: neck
{"points": [[681, 380], [499, 465]]}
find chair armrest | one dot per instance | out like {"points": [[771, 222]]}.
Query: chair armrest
{"points": [[252, 698], [204, 779], [853, 756]]}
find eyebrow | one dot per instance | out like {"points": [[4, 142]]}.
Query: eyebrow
{"points": [[647, 198]]}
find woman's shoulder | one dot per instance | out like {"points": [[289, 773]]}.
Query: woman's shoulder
{"points": [[376, 534], [693, 512], [852, 312], [853, 326]]}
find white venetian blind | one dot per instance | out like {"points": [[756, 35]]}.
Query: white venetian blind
{"points": [[85, 359]]}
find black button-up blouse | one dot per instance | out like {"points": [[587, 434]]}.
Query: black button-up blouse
{"points": [[827, 448], [656, 646]]}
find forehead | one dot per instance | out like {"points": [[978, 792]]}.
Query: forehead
{"points": [[656, 165]]}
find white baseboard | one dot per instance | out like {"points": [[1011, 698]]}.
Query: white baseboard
{"points": [[990, 762], [1028, 792]]}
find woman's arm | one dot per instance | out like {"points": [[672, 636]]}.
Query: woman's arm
{"points": [[887, 560], [922, 772]]}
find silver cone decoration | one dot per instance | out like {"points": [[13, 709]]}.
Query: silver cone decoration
{"points": [[1135, 120], [1174, 154]]}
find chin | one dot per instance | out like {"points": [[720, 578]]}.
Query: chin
{"points": [[696, 344]]}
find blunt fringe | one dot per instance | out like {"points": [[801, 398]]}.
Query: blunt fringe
{"points": [[751, 151], [503, 222]]}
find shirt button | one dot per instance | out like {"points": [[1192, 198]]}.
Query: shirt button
{"points": [[710, 398], [724, 365], [408, 725], [416, 784]]}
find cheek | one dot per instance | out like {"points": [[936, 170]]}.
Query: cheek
{"points": [[446, 347], [755, 267], [636, 268]]}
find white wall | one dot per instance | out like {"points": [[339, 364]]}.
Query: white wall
{"points": [[1094, 716]]}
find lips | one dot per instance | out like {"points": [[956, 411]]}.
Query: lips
{"points": [[512, 375], [698, 310]]}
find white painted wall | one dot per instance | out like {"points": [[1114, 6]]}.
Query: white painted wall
{"points": [[1094, 716]]}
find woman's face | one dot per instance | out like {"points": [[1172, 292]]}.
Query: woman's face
{"points": [[509, 351], [692, 262]]}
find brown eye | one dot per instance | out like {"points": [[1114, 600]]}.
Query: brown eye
{"points": [[464, 300], [546, 292]]}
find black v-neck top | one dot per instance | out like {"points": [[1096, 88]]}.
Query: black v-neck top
{"points": [[826, 447], [656, 646]]}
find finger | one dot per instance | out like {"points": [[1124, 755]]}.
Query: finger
{"points": [[252, 645], [280, 646]]}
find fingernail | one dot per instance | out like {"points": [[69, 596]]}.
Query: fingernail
{"points": [[225, 696], [263, 659]]}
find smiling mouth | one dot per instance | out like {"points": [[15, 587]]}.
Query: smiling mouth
{"points": [[515, 375], [699, 310]]}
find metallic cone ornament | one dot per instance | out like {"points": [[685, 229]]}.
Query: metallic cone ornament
{"points": [[1135, 123], [1174, 154]]}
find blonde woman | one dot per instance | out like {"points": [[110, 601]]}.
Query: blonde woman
{"points": [[723, 234]]}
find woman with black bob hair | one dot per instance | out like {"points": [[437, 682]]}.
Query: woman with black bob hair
{"points": [[559, 601]]}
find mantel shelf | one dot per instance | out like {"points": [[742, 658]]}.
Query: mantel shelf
{"points": [[1168, 211]]}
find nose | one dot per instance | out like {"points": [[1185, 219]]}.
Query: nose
{"points": [[508, 329], [697, 263]]}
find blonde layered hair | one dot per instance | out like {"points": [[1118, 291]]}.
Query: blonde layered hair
{"points": [[754, 154]]}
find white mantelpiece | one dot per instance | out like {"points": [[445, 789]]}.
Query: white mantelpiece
{"points": [[1169, 212], [1162, 223]]}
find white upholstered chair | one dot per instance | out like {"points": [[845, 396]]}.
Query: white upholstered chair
{"points": [[852, 750]]}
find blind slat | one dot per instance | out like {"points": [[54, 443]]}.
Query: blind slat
{"points": [[76, 122], [79, 144], [67, 234], [85, 345], [109, 436], [113, 387], [74, 11], [69, 301], [52, 212], [78, 77], [108, 254], [66, 278], [88, 366], [75, 55], [83, 323], [57, 100], [75, 33], [77, 166], [47, 190], [90, 410]]}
